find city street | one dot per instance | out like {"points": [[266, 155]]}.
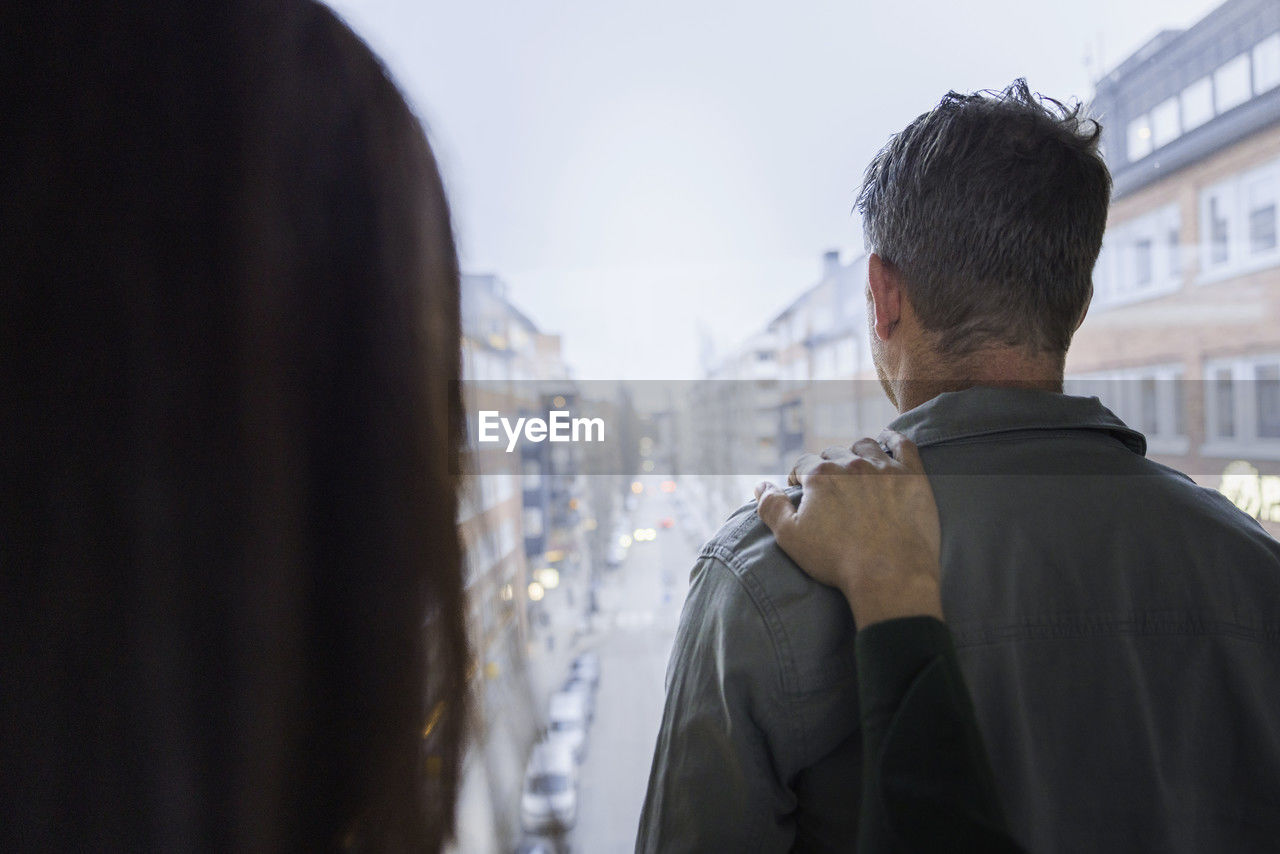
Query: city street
{"points": [[641, 600], [639, 603]]}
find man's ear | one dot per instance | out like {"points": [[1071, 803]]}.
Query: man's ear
{"points": [[886, 296], [1085, 313]]}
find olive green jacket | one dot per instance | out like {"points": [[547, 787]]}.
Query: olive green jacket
{"points": [[927, 785], [1117, 625]]}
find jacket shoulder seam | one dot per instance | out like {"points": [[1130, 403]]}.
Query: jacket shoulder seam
{"points": [[769, 616]]}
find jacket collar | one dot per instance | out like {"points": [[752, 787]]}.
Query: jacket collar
{"points": [[982, 411]]}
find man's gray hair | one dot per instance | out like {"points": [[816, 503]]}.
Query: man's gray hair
{"points": [[992, 206]]}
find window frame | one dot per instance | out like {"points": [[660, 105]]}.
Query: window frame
{"points": [[1237, 197], [1236, 73], [1122, 391], [1170, 108], [1116, 276], [1246, 442], [1196, 104], [1137, 143], [1266, 64]]}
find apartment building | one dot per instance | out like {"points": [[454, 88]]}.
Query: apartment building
{"points": [[1182, 339], [1183, 335], [518, 523], [498, 341], [520, 511], [731, 433], [803, 382], [828, 388]]}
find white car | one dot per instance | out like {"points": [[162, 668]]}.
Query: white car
{"points": [[577, 685], [549, 800], [587, 667], [569, 717]]}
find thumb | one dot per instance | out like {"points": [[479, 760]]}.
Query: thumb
{"points": [[775, 509], [904, 450]]}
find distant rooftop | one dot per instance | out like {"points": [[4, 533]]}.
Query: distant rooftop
{"points": [[1186, 94], [1141, 55]]}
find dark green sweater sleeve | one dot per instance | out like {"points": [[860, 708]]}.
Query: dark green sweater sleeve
{"points": [[927, 783]]}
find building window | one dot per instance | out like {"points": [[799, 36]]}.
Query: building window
{"points": [[1148, 398], [533, 522], [1219, 247], [1231, 85], [1133, 264], [1266, 64], [1267, 379], [1149, 419], [480, 557], [1223, 410], [1164, 122], [505, 489], [824, 363], [1197, 103], [1262, 216], [1240, 222], [792, 419], [846, 355], [1244, 415], [506, 538], [1179, 407], [1139, 137], [1102, 275], [1142, 262], [1262, 229], [864, 350]]}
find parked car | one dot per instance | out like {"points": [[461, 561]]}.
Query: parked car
{"points": [[587, 667], [568, 715], [549, 801], [534, 845], [577, 685]]}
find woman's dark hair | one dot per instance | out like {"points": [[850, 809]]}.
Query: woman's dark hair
{"points": [[992, 206], [231, 600]]}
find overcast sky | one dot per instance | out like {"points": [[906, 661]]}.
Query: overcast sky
{"points": [[637, 171]]}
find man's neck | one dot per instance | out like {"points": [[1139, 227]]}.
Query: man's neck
{"points": [[999, 367]]}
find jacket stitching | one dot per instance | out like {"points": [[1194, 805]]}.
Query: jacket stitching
{"points": [[773, 624]]}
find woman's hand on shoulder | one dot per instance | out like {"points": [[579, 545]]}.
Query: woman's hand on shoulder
{"points": [[867, 524]]}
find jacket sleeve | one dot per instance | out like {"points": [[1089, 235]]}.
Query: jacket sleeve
{"points": [[927, 781], [713, 785]]}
